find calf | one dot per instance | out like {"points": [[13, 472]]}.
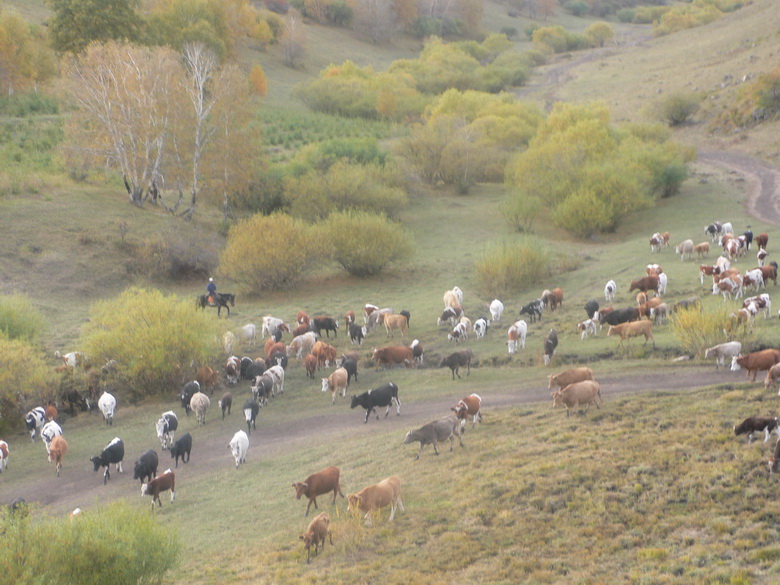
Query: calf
{"points": [[238, 446], [59, 446], [319, 484], [233, 369], [166, 427], [356, 333], [723, 352], [351, 366], [182, 447], [383, 396], [516, 335], [451, 314], [377, 496], [585, 392], [417, 351], [610, 289], [633, 329], [553, 298], [439, 430], [310, 364], [591, 308], [316, 533], [146, 466], [587, 327], [226, 403], [251, 410], [762, 240], [276, 373], [459, 333], [163, 483], [772, 375], [455, 360], [758, 424], [186, 394], [335, 382], [702, 249], [550, 344], [50, 430], [114, 453], [469, 406], [262, 388]]}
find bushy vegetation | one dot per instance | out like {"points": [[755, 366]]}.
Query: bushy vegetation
{"points": [[181, 252], [19, 319], [558, 40], [269, 252], [589, 174], [134, 547], [698, 13], [25, 381], [152, 336], [696, 330], [507, 266], [676, 109], [365, 243]]}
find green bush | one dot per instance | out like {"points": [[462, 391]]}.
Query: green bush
{"points": [[577, 7], [626, 15], [269, 252], [21, 105], [520, 212], [678, 108], [508, 266], [19, 319], [697, 330], [154, 338], [133, 546], [26, 380], [365, 243]]}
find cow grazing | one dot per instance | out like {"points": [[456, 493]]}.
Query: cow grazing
{"points": [[417, 351], [758, 424], [166, 427], [553, 298], [182, 447], [451, 314], [50, 430], [550, 345], [316, 533], [392, 355], [396, 322], [496, 310], [610, 290], [251, 410], [357, 333], [459, 333], [516, 334], [325, 323], [319, 484], [755, 362], [310, 364], [633, 329], [187, 392], [207, 377], [225, 403], [35, 420], [163, 483], [456, 360], [107, 405], [762, 240], [233, 369], [375, 497], [335, 382], [577, 394], [385, 395], [5, 454], [471, 405], [723, 352], [587, 327], [570, 376], [481, 326], [644, 284], [238, 446], [58, 449], [591, 308], [271, 324], [114, 453], [146, 466], [533, 310], [199, 403], [445, 428]]}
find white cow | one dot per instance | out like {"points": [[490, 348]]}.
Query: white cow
{"points": [[277, 374], [496, 310], [249, 333], [662, 280], [723, 352], [107, 405], [229, 342], [238, 446], [271, 323], [609, 291], [685, 248], [200, 403], [516, 333], [50, 430]]}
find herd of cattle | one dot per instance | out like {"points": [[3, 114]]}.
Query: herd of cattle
{"points": [[576, 386]]}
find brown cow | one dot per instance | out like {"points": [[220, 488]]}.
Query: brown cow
{"points": [[318, 484], [57, 450], [755, 362], [469, 406], [310, 363], [325, 354], [569, 376], [644, 284], [761, 241], [393, 322], [207, 378], [632, 329], [553, 298], [161, 483], [316, 533], [585, 392], [377, 496], [393, 354], [335, 382], [769, 272]]}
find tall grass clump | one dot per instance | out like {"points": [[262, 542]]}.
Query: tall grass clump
{"points": [[25, 380], [697, 330], [365, 243], [19, 319], [153, 337], [134, 546], [509, 265]]}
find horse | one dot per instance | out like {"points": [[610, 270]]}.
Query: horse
{"points": [[222, 301]]}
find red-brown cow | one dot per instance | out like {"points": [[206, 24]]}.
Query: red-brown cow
{"points": [[207, 378], [755, 362], [645, 284], [318, 484], [469, 406], [393, 354]]}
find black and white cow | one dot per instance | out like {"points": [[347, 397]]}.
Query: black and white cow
{"points": [[182, 447], [166, 427], [480, 327], [327, 323], [262, 388], [114, 453], [146, 466], [187, 392], [351, 366], [34, 420], [50, 430], [533, 310], [251, 410], [246, 362], [382, 396], [591, 307], [356, 333]]}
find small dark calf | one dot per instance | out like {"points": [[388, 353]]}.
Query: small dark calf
{"points": [[146, 466], [758, 424], [182, 447], [456, 360], [226, 403], [251, 409]]}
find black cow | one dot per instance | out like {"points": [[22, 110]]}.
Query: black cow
{"points": [[226, 403], [327, 323], [35, 420], [278, 358], [408, 316], [454, 361], [262, 388], [533, 310], [246, 362], [251, 409], [114, 453], [146, 466], [550, 344], [166, 427], [591, 307], [356, 333], [76, 400], [255, 369], [182, 447], [189, 389], [351, 366], [748, 238], [382, 396], [623, 315]]}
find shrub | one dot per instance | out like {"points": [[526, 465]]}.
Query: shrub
{"points": [[577, 7], [676, 109], [19, 319], [269, 252], [136, 546], [365, 243], [698, 330], [508, 266], [599, 33], [25, 380], [671, 179], [181, 251], [509, 31], [521, 211], [626, 15], [153, 338]]}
